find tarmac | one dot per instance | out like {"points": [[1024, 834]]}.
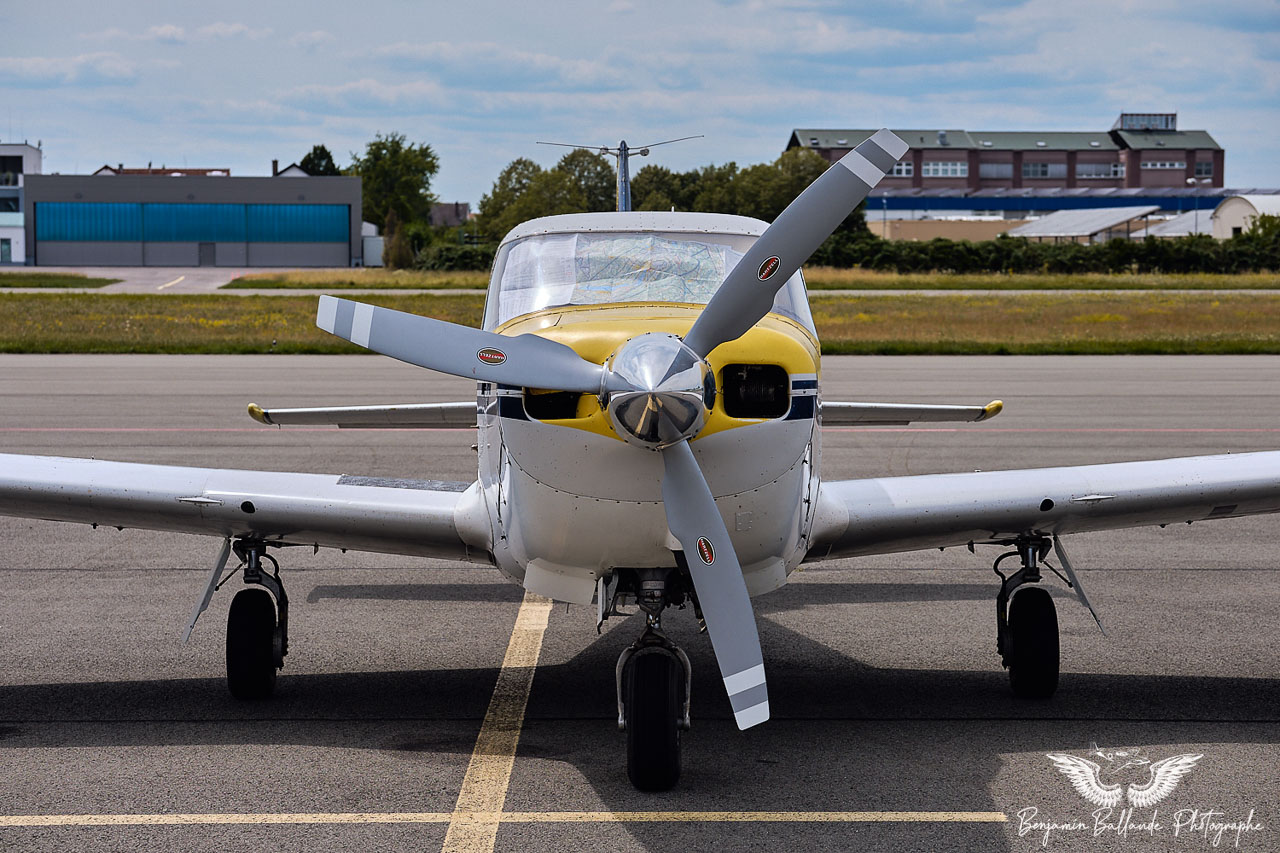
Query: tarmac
{"points": [[893, 725]]}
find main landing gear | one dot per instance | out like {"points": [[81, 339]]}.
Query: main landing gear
{"points": [[257, 626], [653, 678], [1027, 622]]}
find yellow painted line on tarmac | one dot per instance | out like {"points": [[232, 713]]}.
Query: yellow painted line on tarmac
{"points": [[476, 819], [171, 283], [477, 813]]}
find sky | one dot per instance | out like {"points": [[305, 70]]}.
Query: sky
{"points": [[230, 83]]}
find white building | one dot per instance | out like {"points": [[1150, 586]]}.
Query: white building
{"points": [[17, 160], [1235, 214]]}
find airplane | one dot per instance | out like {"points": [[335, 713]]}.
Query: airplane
{"points": [[648, 414]]}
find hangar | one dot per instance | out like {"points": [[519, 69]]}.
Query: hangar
{"points": [[186, 220], [1236, 214]]}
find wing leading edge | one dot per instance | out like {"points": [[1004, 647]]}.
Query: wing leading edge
{"points": [[418, 517], [890, 514]]}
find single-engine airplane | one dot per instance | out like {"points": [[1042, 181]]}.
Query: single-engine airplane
{"points": [[648, 414]]}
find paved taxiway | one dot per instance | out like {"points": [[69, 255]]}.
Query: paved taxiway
{"points": [[886, 689]]}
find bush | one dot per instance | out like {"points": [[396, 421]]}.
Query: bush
{"points": [[453, 257]]}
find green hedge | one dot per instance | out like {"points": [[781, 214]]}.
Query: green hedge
{"points": [[1256, 251]]}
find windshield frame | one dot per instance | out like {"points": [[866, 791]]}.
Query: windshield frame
{"points": [[791, 302]]}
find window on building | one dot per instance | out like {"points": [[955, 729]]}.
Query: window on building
{"points": [[1088, 171], [945, 169], [995, 170], [1044, 170], [1164, 164], [1204, 169], [10, 169], [6, 251], [903, 169]]}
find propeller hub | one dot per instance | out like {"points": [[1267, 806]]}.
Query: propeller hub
{"points": [[658, 391]]}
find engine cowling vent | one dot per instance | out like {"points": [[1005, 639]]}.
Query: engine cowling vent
{"points": [[755, 390]]}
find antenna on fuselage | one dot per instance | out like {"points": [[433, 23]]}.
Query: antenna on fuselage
{"points": [[622, 153]]}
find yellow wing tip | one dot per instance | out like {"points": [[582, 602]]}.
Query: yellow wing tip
{"points": [[258, 414], [990, 410]]}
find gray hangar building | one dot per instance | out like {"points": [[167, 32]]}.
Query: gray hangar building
{"points": [[184, 220]]}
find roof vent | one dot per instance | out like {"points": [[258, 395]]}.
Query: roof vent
{"points": [[942, 137], [813, 140], [1093, 143], [842, 141], [987, 143], [1160, 142], [1041, 143]]}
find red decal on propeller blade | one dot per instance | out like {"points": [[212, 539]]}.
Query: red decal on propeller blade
{"points": [[705, 552], [490, 355], [769, 267]]}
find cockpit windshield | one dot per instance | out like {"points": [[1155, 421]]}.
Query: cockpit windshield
{"points": [[599, 268]]}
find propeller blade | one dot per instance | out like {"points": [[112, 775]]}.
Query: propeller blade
{"points": [[523, 360], [749, 289], [717, 577]]}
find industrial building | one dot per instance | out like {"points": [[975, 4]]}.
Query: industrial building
{"points": [[120, 219], [1236, 214], [1143, 159]]}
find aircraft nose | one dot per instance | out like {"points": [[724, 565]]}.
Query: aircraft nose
{"points": [[658, 391]]}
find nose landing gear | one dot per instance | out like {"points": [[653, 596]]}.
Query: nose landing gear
{"points": [[653, 681]]}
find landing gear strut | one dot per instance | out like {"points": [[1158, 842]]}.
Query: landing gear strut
{"points": [[257, 626], [653, 681], [1027, 622]]}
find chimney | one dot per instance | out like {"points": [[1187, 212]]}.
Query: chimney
{"points": [[275, 168]]}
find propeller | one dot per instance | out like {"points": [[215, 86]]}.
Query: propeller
{"points": [[657, 390]]}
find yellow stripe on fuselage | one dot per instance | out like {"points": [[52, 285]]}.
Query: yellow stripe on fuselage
{"points": [[596, 331]]}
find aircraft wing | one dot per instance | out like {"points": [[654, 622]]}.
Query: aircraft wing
{"points": [[427, 518], [404, 416], [889, 514], [897, 414]]}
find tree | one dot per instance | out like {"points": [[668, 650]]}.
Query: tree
{"points": [[395, 175], [396, 254], [594, 175], [319, 163], [512, 182]]}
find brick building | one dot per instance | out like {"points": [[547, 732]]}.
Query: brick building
{"points": [[1141, 151]]}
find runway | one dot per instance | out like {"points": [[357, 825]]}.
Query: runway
{"points": [[893, 726]]}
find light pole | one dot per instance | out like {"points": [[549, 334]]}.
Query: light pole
{"points": [[1192, 182]]}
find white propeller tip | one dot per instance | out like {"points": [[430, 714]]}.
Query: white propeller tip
{"points": [[753, 716], [890, 142]]}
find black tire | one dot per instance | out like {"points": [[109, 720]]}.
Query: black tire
{"points": [[251, 660], [1033, 642], [653, 685]]}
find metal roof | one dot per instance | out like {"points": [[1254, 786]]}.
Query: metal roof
{"points": [[639, 220], [852, 138], [1081, 223], [1050, 140], [1191, 222], [1147, 140], [1269, 204]]}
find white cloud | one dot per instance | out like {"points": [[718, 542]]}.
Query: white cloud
{"points": [[168, 33], [86, 69], [222, 29], [312, 40]]}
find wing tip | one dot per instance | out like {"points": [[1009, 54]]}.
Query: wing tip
{"points": [[990, 410], [259, 414]]}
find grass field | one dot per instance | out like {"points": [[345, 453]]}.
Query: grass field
{"points": [[818, 278], [1167, 322], [344, 279], [51, 279]]}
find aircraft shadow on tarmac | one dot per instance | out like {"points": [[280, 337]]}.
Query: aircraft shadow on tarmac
{"points": [[844, 734]]}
